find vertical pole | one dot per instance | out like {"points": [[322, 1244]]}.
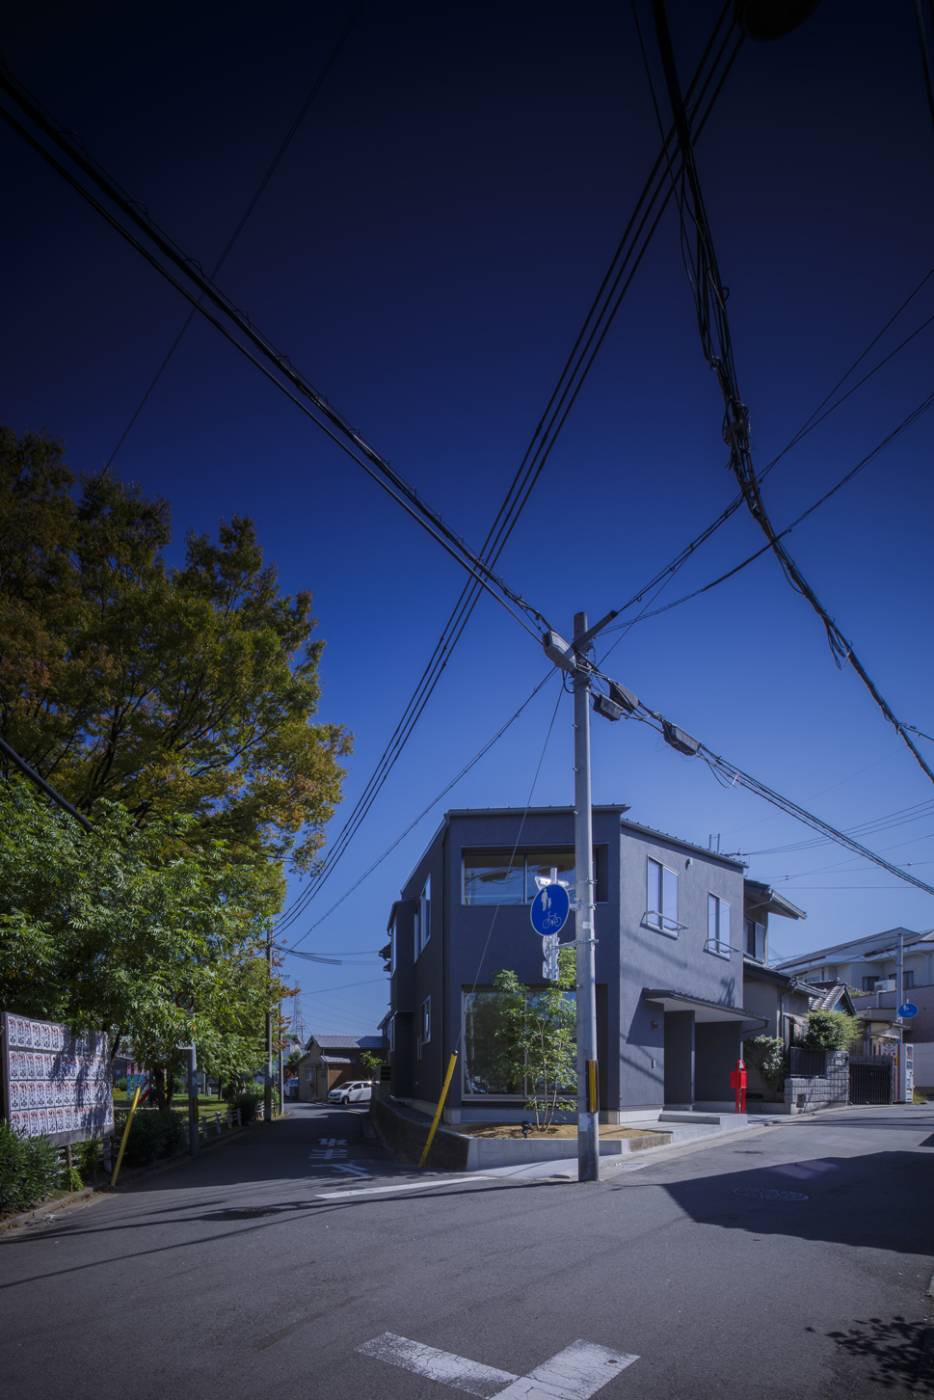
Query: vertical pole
{"points": [[193, 1139], [267, 1086], [281, 1079], [899, 999], [588, 1146]]}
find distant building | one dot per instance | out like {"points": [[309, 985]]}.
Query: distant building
{"points": [[867, 965], [329, 1060]]}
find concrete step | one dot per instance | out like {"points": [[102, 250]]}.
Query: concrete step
{"points": [[672, 1116]]}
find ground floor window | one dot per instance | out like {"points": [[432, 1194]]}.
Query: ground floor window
{"points": [[487, 1069]]}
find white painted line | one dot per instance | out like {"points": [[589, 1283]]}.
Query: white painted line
{"points": [[352, 1169], [443, 1366], [576, 1373], [402, 1186]]}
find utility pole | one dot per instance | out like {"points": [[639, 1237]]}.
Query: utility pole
{"points": [[588, 1143], [899, 1001], [267, 1086]]}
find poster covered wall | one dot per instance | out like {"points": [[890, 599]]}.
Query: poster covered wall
{"points": [[55, 1084]]}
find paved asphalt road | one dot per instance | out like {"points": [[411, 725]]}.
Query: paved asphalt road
{"points": [[791, 1262]]}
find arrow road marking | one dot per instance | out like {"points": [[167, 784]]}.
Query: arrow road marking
{"points": [[575, 1373]]}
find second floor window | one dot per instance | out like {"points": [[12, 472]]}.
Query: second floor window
{"points": [[506, 877], [718, 926], [661, 897], [423, 918], [755, 940]]}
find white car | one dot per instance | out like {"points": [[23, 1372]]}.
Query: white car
{"points": [[356, 1091]]}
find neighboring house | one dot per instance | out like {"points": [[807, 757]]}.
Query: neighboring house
{"points": [[867, 966], [671, 1015], [781, 1000], [329, 1060]]}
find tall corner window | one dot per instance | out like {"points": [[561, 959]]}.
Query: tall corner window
{"points": [[718, 926], [424, 1032], [755, 940], [661, 897], [392, 947], [423, 918]]}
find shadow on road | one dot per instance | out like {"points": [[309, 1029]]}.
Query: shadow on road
{"points": [[875, 1200], [896, 1354]]}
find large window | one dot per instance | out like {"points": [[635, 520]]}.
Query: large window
{"points": [[718, 926], [423, 918], [392, 947], [661, 898], [500, 876], [755, 940], [485, 1072]]}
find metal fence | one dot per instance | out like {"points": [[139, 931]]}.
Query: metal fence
{"points": [[871, 1078], [805, 1062]]}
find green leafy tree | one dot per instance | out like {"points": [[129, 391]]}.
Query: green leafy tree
{"points": [[137, 930], [534, 1034], [831, 1030], [184, 690], [371, 1063]]}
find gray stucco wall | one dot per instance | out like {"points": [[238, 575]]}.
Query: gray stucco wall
{"points": [[719, 1045], [679, 1057], [652, 959]]}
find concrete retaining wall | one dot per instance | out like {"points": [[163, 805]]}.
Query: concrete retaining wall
{"points": [[807, 1093]]}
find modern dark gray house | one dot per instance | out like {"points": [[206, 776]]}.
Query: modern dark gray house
{"points": [[671, 931]]}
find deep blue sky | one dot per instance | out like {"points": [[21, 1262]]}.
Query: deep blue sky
{"points": [[425, 254]]}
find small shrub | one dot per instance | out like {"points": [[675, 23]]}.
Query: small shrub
{"points": [[120, 1085], [88, 1157], [918, 1097], [155, 1132], [73, 1181], [29, 1170], [767, 1053], [248, 1100]]}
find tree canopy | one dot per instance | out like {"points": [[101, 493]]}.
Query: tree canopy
{"points": [[184, 690], [134, 929]]}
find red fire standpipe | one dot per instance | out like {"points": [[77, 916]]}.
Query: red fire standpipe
{"points": [[738, 1082]]}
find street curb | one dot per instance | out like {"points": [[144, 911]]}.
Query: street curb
{"points": [[136, 1175], [48, 1210]]}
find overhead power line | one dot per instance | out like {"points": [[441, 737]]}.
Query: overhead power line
{"points": [[731, 775], [38, 781], [708, 79], [241, 333], [229, 246], [844, 480], [827, 406], [713, 325]]}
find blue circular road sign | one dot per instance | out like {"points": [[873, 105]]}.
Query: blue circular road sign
{"points": [[549, 910], [907, 1010]]}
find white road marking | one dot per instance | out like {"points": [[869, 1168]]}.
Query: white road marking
{"points": [[402, 1186], [353, 1170], [443, 1366], [575, 1373]]}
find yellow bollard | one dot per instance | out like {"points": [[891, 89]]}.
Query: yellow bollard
{"points": [[126, 1134], [439, 1110]]}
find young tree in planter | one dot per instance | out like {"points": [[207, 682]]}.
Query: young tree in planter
{"points": [[536, 1042]]}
